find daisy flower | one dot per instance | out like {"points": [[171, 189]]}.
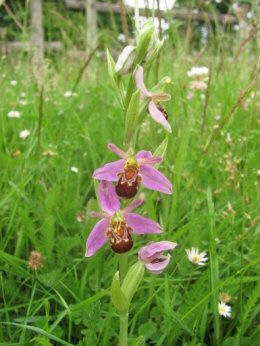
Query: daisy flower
{"points": [[195, 257], [24, 134], [224, 309]]}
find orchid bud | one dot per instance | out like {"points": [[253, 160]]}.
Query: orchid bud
{"points": [[125, 60], [144, 40], [117, 295], [132, 280], [153, 258], [154, 48]]}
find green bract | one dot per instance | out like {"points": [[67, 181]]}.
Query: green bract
{"points": [[117, 296], [132, 280]]}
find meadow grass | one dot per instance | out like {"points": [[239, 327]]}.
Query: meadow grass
{"points": [[212, 159]]}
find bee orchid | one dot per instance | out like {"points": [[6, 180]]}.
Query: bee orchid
{"points": [[153, 258], [157, 112], [117, 225], [132, 171]]}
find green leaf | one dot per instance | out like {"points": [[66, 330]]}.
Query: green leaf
{"points": [[117, 295], [16, 265], [114, 78], [132, 116], [144, 40], [161, 150], [111, 66], [139, 341], [42, 341], [41, 332]]}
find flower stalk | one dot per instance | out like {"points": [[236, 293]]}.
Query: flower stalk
{"points": [[123, 336], [122, 180], [123, 265]]}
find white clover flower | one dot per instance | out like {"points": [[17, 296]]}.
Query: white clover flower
{"points": [[121, 38], [224, 309], [23, 94], [74, 169], [236, 27], [69, 93], [23, 102], [24, 134], [14, 114], [195, 257], [198, 72], [13, 82]]}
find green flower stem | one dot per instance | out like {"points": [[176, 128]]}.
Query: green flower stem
{"points": [[123, 337], [123, 269], [137, 16], [123, 266]]}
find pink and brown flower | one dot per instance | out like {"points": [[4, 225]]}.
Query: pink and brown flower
{"points": [[157, 112], [117, 225], [132, 171], [153, 258]]}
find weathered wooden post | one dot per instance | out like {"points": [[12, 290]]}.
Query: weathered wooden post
{"points": [[37, 36], [91, 18]]}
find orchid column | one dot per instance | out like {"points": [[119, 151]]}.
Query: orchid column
{"points": [[122, 180]]}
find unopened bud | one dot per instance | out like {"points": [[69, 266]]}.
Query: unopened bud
{"points": [[117, 295], [125, 60], [144, 39], [154, 47], [132, 280]]}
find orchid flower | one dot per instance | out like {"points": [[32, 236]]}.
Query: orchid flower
{"points": [[153, 258], [133, 170], [156, 111], [117, 225]]}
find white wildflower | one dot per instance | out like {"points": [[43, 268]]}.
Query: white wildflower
{"points": [[14, 114], [121, 38], [198, 72], [69, 93], [195, 257], [229, 138], [13, 82], [74, 169], [24, 134], [224, 309], [23, 102]]}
